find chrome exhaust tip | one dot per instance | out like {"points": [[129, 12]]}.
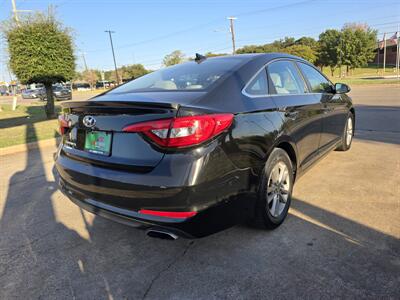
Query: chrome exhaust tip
{"points": [[161, 234]]}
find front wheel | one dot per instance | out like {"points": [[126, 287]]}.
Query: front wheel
{"points": [[348, 134], [275, 192]]}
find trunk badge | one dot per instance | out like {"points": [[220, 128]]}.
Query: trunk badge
{"points": [[89, 121]]}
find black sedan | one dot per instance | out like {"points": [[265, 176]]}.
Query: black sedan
{"points": [[192, 149]]}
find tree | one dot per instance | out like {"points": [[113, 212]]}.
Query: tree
{"points": [[357, 45], [91, 77], [251, 49], [41, 51], [302, 51], [286, 42], [266, 48], [328, 50], [307, 41], [133, 71], [176, 57], [210, 54]]}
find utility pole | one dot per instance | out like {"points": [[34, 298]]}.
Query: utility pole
{"points": [[384, 53], [87, 71], [340, 57], [378, 51], [231, 29], [398, 51], [112, 48], [84, 61], [15, 11]]}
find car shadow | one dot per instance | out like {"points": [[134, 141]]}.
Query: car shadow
{"points": [[35, 113], [315, 253]]}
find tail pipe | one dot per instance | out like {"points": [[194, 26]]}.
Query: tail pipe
{"points": [[161, 234]]}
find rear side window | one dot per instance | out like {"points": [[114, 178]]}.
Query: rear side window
{"points": [[318, 83], [259, 85], [285, 78]]}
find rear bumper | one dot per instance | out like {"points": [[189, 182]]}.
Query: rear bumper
{"points": [[119, 215], [62, 97], [220, 202]]}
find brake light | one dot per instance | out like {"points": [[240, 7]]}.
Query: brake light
{"points": [[183, 131], [63, 123], [169, 214]]}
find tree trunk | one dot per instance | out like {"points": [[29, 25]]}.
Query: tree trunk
{"points": [[347, 70], [50, 113], [332, 72]]}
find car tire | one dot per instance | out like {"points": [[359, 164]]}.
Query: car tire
{"points": [[275, 191], [348, 134]]}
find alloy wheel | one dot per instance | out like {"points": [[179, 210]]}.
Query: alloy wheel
{"points": [[349, 131], [278, 189]]}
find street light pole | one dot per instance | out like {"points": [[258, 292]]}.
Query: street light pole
{"points": [[231, 29], [112, 48], [15, 12]]}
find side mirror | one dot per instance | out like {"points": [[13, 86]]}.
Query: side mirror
{"points": [[341, 88]]}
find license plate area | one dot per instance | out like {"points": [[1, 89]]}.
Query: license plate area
{"points": [[98, 142]]}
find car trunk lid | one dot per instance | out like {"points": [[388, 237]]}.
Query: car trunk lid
{"points": [[94, 132]]}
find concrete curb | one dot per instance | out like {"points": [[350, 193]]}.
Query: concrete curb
{"points": [[29, 146]]}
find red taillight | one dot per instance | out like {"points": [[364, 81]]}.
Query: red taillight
{"points": [[63, 124], [169, 214], [183, 131]]}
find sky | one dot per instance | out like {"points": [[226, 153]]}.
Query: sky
{"points": [[147, 30]]}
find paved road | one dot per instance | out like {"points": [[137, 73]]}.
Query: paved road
{"points": [[341, 238]]}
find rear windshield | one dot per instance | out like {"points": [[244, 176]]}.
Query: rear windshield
{"points": [[186, 76]]}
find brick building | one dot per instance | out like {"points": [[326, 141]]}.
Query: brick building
{"points": [[391, 48]]}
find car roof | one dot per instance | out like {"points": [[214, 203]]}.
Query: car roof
{"points": [[258, 56]]}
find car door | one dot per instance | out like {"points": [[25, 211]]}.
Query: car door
{"points": [[334, 108], [300, 110]]}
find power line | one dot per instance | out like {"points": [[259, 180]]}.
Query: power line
{"points": [[260, 11], [202, 26]]}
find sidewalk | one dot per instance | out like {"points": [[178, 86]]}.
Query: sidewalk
{"points": [[29, 146]]}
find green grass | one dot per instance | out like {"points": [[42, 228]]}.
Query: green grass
{"points": [[28, 123], [362, 72], [363, 76], [361, 81]]}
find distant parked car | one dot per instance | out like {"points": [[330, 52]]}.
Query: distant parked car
{"points": [[81, 86], [31, 94], [59, 93]]}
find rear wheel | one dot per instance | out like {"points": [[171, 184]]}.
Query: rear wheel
{"points": [[275, 191], [348, 134]]}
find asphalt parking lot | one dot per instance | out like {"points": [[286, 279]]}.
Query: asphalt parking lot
{"points": [[341, 239]]}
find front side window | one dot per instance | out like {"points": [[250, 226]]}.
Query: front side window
{"points": [[285, 78], [318, 83], [259, 85], [186, 76]]}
